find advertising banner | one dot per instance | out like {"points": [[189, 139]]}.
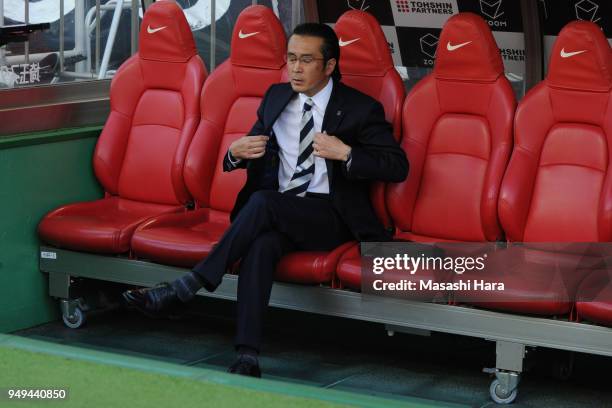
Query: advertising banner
{"points": [[413, 27]]}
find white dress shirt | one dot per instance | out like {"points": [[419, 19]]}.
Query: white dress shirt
{"points": [[287, 132]]}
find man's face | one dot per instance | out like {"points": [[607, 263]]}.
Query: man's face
{"points": [[305, 67]]}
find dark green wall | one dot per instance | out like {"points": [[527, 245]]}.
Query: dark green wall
{"points": [[38, 172]]}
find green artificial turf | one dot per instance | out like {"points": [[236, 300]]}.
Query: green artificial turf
{"points": [[99, 385]]}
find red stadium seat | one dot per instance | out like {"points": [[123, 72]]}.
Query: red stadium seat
{"points": [[558, 185], [371, 70], [140, 154], [229, 104], [458, 146], [594, 298], [365, 64]]}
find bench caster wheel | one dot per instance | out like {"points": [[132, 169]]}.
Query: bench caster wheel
{"points": [[500, 394], [76, 320], [73, 313]]}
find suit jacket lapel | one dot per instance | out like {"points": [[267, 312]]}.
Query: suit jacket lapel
{"points": [[331, 121], [333, 113], [277, 105]]}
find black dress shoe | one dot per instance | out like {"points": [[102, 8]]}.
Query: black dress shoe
{"points": [[245, 365], [160, 301]]}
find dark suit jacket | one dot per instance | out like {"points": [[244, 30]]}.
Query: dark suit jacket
{"points": [[359, 121]]}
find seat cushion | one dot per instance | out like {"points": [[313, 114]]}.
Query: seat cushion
{"points": [[102, 226], [181, 239], [594, 298], [311, 267], [349, 272], [535, 282], [184, 239], [349, 268]]}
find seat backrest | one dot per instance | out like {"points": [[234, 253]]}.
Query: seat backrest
{"points": [[366, 63], [457, 134], [229, 103], [155, 110], [558, 186]]}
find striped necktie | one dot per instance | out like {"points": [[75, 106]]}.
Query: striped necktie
{"points": [[304, 170]]}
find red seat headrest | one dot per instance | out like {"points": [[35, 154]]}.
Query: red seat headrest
{"points": [[165, 34], [257, 29], [467, 51], [581, 59], [364, 49]]}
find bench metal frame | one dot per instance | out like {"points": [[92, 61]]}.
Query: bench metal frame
{"points": [[512, 333]]}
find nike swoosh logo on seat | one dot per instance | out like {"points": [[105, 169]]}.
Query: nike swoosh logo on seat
{"points": [[345, 43], [154, 30], [247, 35], [570, 54], [452, 47]]}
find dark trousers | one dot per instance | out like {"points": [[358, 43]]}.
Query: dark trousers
{"points": [[270, 225]]}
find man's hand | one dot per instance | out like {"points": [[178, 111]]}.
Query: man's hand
{"points": [[330, 147], [249, 147]]}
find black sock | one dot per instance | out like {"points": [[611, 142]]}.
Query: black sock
{"points": [[248, 352], [187, 286]]}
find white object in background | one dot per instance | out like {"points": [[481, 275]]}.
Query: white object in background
{"points": [[8, 77], [403, 72], [198, 15], [44, 11], [513, 77], [110, 42]]}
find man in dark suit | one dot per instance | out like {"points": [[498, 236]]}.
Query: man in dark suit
{"points": [[310, 158]]}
